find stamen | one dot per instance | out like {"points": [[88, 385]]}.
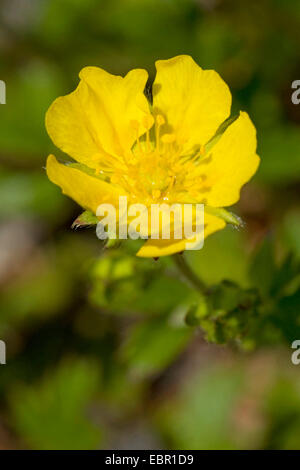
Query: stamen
{"points": [[202, 150], [159, 121], [205, 189], [172, 182], [168, 140], [206, 160], [136, 126], [167, 173], [199, 154], [156, 193], [147, 122]]}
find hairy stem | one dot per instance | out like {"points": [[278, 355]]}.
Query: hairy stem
{"points": [[191, 277]]}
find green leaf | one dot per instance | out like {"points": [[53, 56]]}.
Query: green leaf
{"points": [[200, 417], [284, 275], [153, 344], [227, 314], [291, 231], [287, 316], [52, 413], [262, 267]]}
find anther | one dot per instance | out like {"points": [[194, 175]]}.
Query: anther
{"points": [[204, 189], [148, 121], [168, 138], [136, 126], [160, 120], [156, 193], [205, 160]]}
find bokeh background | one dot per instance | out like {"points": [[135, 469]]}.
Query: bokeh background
{"points": [[99, 354]]}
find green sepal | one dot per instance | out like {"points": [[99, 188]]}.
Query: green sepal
{"points": [[220, 131], [89, 171], [86, 219], [227, 216]]}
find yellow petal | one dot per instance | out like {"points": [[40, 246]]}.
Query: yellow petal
{"points": [[234, 161], [157, 248], [194, 101], [96, 119], [86, 190]]}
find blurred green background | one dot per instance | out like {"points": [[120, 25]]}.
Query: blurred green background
{"points": [[100, 353]]}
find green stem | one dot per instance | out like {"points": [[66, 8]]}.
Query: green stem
{"points": [[191, 277]]}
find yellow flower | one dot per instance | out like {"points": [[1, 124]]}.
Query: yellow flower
{"points": [[172, 151]]}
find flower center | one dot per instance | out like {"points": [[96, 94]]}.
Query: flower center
{"points": [[156, 169]]}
